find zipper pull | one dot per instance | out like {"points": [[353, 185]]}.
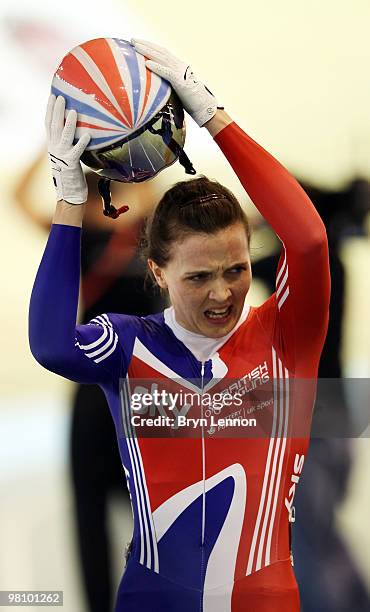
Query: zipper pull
{"points": [[202, 369]]}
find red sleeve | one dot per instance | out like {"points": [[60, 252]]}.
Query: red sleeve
{"points": [[303, 277]]}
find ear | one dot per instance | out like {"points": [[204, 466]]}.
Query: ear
{"points": [[158, 273]]}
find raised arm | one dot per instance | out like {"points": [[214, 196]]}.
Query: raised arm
{"points": [[86, 353], [303, 277]]}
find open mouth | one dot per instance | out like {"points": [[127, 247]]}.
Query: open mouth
{"points": [[218, 315]]}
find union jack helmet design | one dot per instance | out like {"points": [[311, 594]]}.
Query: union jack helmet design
{"points": [[135, 120]]}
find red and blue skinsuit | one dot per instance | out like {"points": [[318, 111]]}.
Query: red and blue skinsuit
{"points": [[211, 513]]}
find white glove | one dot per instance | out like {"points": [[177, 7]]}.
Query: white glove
{"points": [[196, 99], [68, 177]]}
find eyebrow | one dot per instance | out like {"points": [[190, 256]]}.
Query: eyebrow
{"points": [[235, 265]]}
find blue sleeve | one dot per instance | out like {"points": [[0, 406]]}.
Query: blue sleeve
{"points": [[84, 353]]}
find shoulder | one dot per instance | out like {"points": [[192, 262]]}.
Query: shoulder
{"points": [[264, 313], [260, 320], [133, 324], [131, 327]]}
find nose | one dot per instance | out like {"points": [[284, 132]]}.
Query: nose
{"points": [[220, 291]]}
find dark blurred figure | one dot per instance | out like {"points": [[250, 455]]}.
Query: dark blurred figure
{"points": [[327, 575], [112, 281]]}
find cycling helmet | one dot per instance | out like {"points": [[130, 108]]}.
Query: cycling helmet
{"points": [[135, 119]]}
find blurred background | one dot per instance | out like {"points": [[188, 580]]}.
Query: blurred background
{"points": [[295, 76]]}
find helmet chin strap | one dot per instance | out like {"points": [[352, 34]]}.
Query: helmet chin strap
{"points": [[185, 162], [165, 131], [108, 209]]}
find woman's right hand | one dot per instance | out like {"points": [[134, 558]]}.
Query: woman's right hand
{"points": [[68, 177]]}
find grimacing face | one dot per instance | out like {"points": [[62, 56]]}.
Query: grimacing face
{"points": [[207, 277]]}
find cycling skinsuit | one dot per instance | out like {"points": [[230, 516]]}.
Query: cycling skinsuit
{"points": [[211, 512]]}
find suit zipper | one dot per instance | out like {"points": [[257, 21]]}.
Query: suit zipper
{"points": [[204, 490], [203, 457]]}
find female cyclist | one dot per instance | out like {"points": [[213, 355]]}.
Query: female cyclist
{"points": [[211, 512]]}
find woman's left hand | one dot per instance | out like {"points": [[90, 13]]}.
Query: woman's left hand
{"points": [[196, 99]]}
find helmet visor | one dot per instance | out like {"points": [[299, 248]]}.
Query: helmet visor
{"points": [[146, 152]]}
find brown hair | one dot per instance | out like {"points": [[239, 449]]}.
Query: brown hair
{"points": [[197, 205]]}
